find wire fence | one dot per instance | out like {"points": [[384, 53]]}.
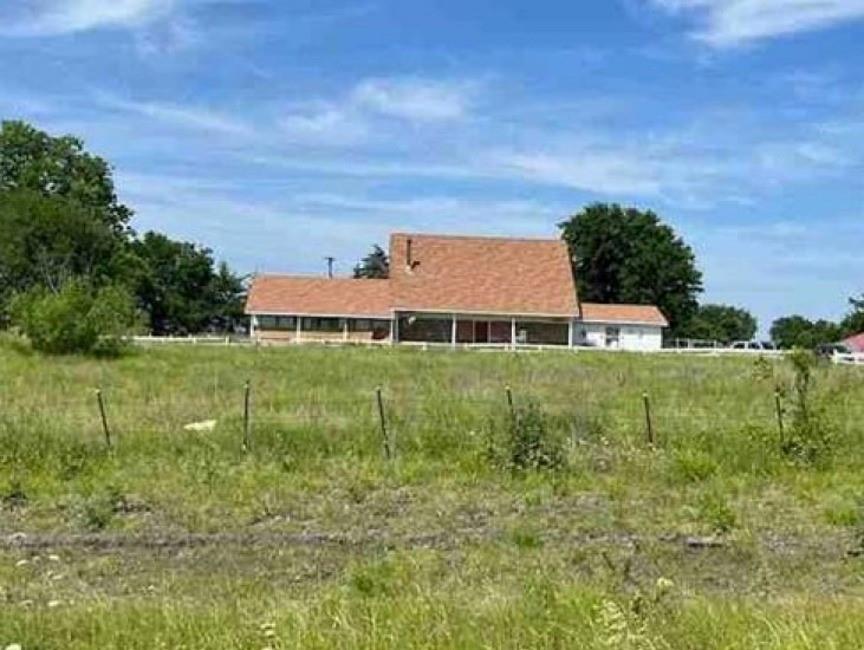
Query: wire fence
{"points": [[243, 409]]}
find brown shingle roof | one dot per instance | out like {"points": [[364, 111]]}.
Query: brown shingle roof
{"points": [[485, 275], [298, 295], [647, 314]]}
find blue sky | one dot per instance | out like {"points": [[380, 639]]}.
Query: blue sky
{"points": [[281, 131]]}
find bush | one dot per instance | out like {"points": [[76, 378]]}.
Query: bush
{"points": [[75, 319], [714, 512], [809, 437], [531, 444]]}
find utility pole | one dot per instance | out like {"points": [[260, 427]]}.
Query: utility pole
{"points": [[330, 259]]}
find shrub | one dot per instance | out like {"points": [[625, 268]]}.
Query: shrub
{"points": [[809, 436], [75, 319], [693, 465], [714, 512], [531, 444]]}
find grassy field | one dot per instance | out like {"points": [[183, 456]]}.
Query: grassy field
{"points": [[714, 537]]}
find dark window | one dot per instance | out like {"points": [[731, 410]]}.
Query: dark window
{"points": [[425, 329], [322, 324], [542, 333], [277, 322]]}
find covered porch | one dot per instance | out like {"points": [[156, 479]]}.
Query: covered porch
{"points": [[492, 330], [319, 329]]}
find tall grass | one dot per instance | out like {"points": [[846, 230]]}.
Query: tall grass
{"points": [[553, 555]]}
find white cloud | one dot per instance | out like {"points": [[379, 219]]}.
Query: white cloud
{"points": [[368, 107], [415, 99], [727, 23], [325, 126], [187, 117], [55, 17], [605, 173]]}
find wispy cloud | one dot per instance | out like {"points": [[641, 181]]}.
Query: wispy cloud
{"points": [[728, 23], [605, 173], [183, 116], [54, 17], [368, 109], [414, 98], [327, 126]]}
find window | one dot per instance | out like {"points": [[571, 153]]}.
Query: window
{"points": [[542, 333], [277, 322], [322, 324], [613, 337]]}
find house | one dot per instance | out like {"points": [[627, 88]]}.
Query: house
{"points": [[452, 290], [855, 343]]}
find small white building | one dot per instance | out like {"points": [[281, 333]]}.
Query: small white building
{"points": [[453, 290], [624, 327]]}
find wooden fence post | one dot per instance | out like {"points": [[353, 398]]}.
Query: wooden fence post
{"points": [[649, 425], [105, 429], [388, 452], [778, 406], [246, 417], [510, 404]]}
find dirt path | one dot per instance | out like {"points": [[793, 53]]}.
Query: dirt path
{"points": [[441, 539]]}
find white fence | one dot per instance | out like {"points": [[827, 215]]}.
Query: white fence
{"points": [[716, 352], [838, 358], [181, 340]]}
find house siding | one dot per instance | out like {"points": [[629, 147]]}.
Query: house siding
{"points": [[637, 338]]}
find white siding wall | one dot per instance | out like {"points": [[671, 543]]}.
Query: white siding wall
{"points": [[632, 337]]}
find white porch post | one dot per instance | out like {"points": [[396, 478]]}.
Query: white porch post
{"points": [[570, 334], [453, 332], [297, 336], [252, 326], [513, 333], [394, 328], [344, 330]]}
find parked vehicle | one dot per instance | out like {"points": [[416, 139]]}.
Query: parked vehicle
{"points": [[828, 350], [766, 346]]}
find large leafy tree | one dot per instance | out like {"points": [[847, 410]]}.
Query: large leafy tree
{"points": [[48, 240], [61, 223], [722, 323], [799, 332], [181, 289], [375, 265], [626, 255], [59, 166]]}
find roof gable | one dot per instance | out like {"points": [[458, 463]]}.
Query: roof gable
{"points": [[485, 275]]}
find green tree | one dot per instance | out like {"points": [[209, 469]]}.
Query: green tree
{"points": [[853, 323], [228, 298], [180, 288], [799, 332], [375, 265], [76, 318], [48, 240], [629, 256], [722, 323], [59, 166]]}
